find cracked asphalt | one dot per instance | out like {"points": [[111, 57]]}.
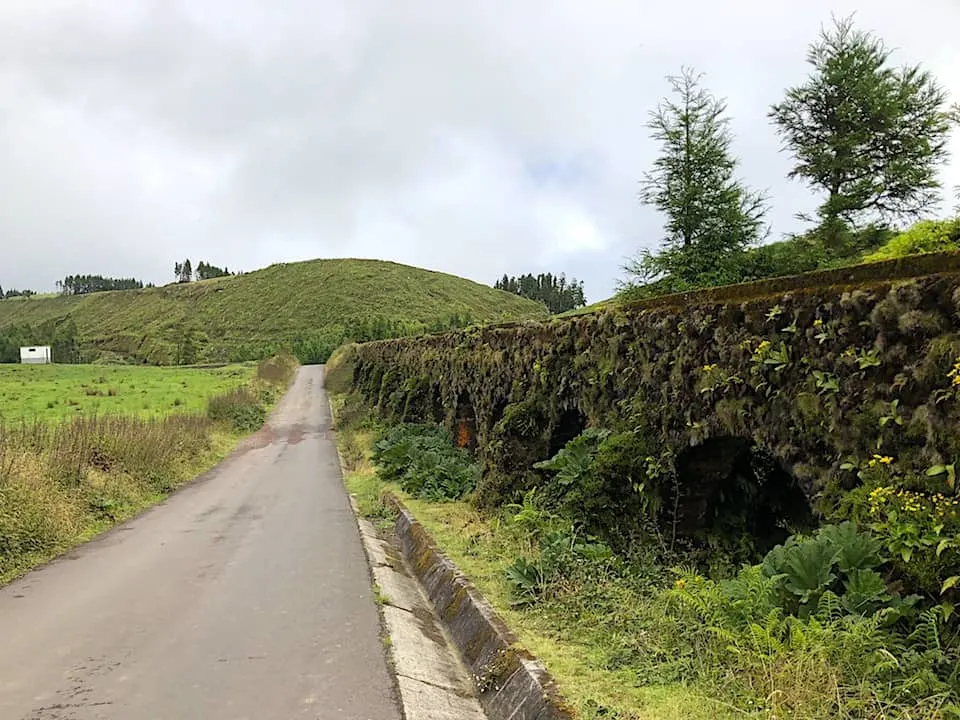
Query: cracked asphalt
{"points": [[245, 596]]}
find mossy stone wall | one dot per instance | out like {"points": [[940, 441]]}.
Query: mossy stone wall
{"points": [[814, 373]]}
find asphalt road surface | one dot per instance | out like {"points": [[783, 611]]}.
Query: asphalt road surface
{"points": [[245, 596]]}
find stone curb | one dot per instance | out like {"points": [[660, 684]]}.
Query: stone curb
{"points": [[513, 684]]}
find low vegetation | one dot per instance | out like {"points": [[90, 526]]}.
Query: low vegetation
{"points": [[310, 307], [826, 624], [423, 461], [923, 237], [70, 475]]}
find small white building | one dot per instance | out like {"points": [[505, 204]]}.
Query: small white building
{"points": [[37, 355]]}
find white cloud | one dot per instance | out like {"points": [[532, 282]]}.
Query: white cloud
{"points": [[474, 137]]}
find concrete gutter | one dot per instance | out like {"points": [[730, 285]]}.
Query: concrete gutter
{"points": [[512, 684], [433, 683]]}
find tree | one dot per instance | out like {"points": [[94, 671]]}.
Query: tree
{"points": [[183, 271], [868, 135], [19, 293], [710, 215]]}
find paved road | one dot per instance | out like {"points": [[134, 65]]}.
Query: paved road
{"points": [[244, 596]]}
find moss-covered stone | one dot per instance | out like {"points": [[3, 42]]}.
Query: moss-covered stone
{"points": [[806, 368]]}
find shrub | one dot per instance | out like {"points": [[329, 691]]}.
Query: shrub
{"points": [[831, 663], [925, 236], [597, 482], [240, 407], [317, 349], [423, 460], [278, 369]]}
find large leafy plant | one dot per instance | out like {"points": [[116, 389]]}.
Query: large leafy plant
{"points": [[840, 560], [423, 460]]}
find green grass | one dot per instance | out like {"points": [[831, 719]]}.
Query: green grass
{"points": [[242, 317], [574, 649], [591, 308], [57, 392]]}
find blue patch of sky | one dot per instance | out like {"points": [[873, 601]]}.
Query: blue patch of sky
{"points": [[562, 171]]}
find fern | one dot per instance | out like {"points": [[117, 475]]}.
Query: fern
{"points": [[829, 607], [926, 632]]}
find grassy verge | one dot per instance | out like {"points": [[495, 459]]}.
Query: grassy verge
{"points": [[63, 483], [573, 638]]}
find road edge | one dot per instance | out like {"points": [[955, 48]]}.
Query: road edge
{"points": [[513, 684], [430, 681]]}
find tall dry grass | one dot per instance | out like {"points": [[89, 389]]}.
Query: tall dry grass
{"points": [[60, 482]]}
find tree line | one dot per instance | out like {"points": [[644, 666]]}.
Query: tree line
{"points": [[317, 348], [85, 284], [554, 291], [15, 293], [866, 136], [183, 272]]}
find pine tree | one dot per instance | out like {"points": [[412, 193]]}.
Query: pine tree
{"points": [[710, 215]]}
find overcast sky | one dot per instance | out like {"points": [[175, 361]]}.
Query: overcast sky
{"points": [[473, 136]]}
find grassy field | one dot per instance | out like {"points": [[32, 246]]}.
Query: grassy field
{"points": [[237, 317], [134, 435], [55, 392]]}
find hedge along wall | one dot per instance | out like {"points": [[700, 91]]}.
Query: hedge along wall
{"points": [[809, 372]]}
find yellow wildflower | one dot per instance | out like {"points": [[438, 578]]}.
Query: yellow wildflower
{"points": [[880, 460], [954, 374]]}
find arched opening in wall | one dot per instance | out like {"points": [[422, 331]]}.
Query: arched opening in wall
{"points": [[730, 490], [465, 424], [570, 424]]}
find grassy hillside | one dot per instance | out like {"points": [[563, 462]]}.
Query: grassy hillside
{"points": [[246, 317]]}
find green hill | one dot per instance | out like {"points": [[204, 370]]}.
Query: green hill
{"points": [[244, 317]]}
